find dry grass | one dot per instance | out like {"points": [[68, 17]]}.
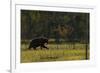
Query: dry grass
{"points": [[63, 53]]}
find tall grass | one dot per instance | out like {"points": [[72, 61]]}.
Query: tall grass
{"points": [[62, 52]]}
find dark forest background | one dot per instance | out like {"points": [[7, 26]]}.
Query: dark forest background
{"points": [[69, 26]]}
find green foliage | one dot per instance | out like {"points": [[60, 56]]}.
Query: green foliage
{"points": [[44, 23]]}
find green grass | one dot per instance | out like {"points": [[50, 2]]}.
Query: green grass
{"points": [[63, 52]]}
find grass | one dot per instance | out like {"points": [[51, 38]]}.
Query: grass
{"points": [[62, 52]]}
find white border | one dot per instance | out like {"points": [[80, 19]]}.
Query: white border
{"points": [[16, 66]]}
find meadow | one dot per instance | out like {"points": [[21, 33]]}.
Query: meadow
{"points": [[60, 52], [67, 33]]}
